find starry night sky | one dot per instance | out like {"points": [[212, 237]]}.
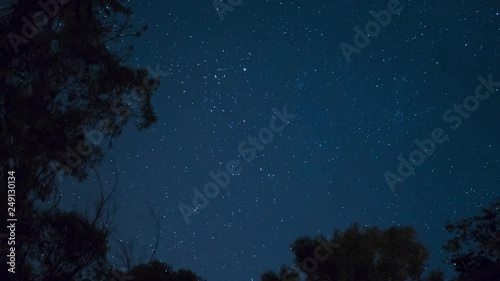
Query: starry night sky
{"points": [[325, 169]]}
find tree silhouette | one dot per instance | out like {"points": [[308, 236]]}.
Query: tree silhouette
{"points": [[434, 275], [285, 274], [158, 271], [367, 254], [65, 88], [475, 249], [63, 246]]}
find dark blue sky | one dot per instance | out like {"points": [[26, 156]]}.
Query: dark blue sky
{"points": [[325, 169]]}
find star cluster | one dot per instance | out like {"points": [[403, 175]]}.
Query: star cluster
{"points": [[325, 169]]}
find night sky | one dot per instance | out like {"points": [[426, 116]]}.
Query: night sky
{"points": [[325, 169]]}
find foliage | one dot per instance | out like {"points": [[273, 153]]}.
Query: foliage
{"points": [[64, 75], [367, 254], [476, 241], [61, 246], [435, 275], [63, 81], [158, 271]]}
